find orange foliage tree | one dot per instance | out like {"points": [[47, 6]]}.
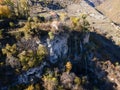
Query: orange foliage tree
{"points": [[4, 11]]}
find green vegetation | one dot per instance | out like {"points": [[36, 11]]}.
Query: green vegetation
{"points": [[9, 50], [1, 34], [31, 59], [22, 9], [85, 24], [27, 30], [75, 23], [30, 87], [50, 82], [11, 24], [51, 35], [9, 9], [77, 80], [68, 66], [80, 23]]}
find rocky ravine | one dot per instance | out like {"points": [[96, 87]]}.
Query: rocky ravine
{"points": [[101, 25], [73, 46]]}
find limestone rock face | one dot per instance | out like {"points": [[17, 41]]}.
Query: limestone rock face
{"points": [[58, 47], [31, 75]]}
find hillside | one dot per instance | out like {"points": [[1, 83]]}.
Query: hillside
{"points": [[111, 8], [57, 45], [101, 23]]}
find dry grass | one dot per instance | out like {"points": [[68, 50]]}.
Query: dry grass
{"points": [[111, 8]]}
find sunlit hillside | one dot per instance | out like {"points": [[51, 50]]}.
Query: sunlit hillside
{"points": [[59, 45]]}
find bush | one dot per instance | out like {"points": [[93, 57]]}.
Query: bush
{"points": [[68, 66], [50, 82], [30, 87], [31, 59], [22, 9], [51, 35], [9, 50], [1, 34], [85, 24]]}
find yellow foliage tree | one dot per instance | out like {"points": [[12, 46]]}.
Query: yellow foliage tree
{"points": [[68, 66], [22, 9], [30, 87], [9, 50], [50, 82], [1, 2], [5, 11]]}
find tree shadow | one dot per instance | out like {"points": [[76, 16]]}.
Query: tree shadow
{"points": [[54, 6], [90, 3], [106, 47], [102, 70], [7, 73], [51, 4], [5, 23]]}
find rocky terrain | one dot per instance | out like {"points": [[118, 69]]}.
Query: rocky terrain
{"points": [[60, 45]]}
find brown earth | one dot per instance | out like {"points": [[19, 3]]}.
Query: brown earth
{"points": [[111, 8]]}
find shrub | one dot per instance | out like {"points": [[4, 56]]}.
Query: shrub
{"points": [[68, 66], [9, 50], [30, 87], [11, 24], [27, 59], [27, 30], [63, 16], [19, 8], [80, 23], [50, 82], [42, 52], [76, 25], [22, 8], [35, 19], [30, 58], [77, 80], [51, 35], [85, 24], [9, 3], [33, 87]]}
